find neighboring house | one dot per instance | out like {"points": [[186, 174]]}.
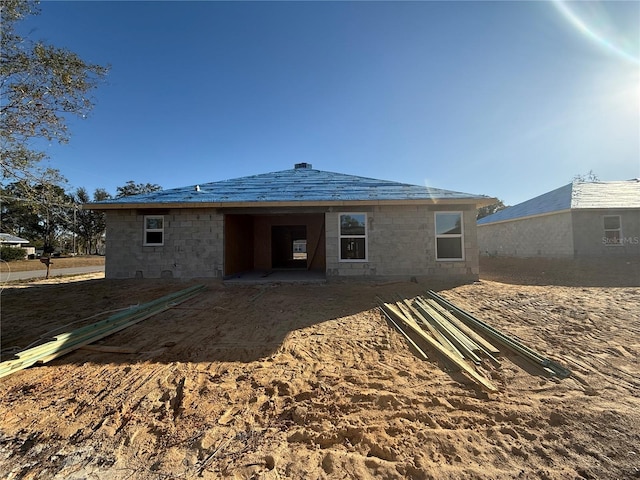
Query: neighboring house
{"points": [[338, 225], [581, 219], [6, 239]]}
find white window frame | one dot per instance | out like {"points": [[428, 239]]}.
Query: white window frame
{"points": [[152, 230], [449, 235], [619, 230], [365, 236]]}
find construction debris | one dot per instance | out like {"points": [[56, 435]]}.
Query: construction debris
{"points": [[459, 337], [428, 333], [548, 365], [66, 342]]}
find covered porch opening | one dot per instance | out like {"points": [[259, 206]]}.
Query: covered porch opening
{"points": [[257, 244]]}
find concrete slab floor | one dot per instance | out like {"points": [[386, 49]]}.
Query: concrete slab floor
{"points": [[255, 277]]}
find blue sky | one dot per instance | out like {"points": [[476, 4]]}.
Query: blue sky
{"points": [[508, 99]]}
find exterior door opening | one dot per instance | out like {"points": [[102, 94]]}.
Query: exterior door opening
{"points": [[289, 246]]}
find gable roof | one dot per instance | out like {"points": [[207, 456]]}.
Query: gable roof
{"points": [[8, 238], [302, 185], [576, 195]]}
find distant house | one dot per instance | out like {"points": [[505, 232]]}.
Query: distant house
{"points": [[6, 239], [581, 219], [330, 223]]}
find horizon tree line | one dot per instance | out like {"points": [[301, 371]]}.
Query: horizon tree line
{"points": [[51, 218]]}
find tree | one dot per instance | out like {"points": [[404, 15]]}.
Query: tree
{"points": [[90, 225], [17, 215], [132, 188], [83, 222], [490, 209], [587, 177], [10, 254], [41, 212], [54, 207], [40, 86]]}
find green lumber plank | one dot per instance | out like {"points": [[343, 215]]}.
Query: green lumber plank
{"points": [[404, 334], [67, 342], [444, 341], [485, 347], [468, 369], [440, 323], [505, 340]]}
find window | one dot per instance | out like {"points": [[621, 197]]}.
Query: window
{"points": [[612, 230], [449, 236], [300, 249], [353, 237], [153, 230]]}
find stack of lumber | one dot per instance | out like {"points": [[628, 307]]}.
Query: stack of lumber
{"points": [[67, 342], [463, 340], [423, 321], [510, 343]]}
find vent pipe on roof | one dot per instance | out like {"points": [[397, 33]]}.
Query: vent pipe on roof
{"points": [[197, 188], [298, 166]]}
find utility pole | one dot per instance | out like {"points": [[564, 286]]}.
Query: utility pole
{"points": [[74, 228]]}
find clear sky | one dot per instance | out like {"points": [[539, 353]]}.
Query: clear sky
{"points": [[508, 99]]}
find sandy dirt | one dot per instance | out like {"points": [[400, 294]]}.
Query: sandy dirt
{"points": [[311, 382]]}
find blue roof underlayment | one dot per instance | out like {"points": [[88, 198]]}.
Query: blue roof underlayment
{"points": [[553, 201], [576, 195], [302, 184]]}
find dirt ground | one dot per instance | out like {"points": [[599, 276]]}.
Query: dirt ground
{"points": [[310, 381]]}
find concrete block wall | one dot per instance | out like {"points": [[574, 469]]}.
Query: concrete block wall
{"points": [[542, 236], [401, 243], [193, 245], [588, 233]]}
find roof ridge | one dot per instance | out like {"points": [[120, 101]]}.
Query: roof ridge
{"points": [[296, 185]]}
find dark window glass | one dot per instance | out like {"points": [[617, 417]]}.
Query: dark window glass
{"points": [[612, 223], [612, 236], [352, 224], [154, 237], [449, 248], [352, 249], [154, 223]]}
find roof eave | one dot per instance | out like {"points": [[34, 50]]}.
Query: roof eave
{"points": [[526, 217], [478, 201]]}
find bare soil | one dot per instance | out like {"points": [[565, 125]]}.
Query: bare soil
{"points": [[310, 381]]}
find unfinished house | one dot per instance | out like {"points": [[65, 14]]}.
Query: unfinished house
{"points": [[581, 219], [298, 220]]}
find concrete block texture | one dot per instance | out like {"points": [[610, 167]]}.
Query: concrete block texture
{"points": [[401, 243], [191, 245], [589, 237], [542, 236], [576, 233]]}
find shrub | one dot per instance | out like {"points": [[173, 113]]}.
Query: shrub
{"points": [[9, 254]]}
